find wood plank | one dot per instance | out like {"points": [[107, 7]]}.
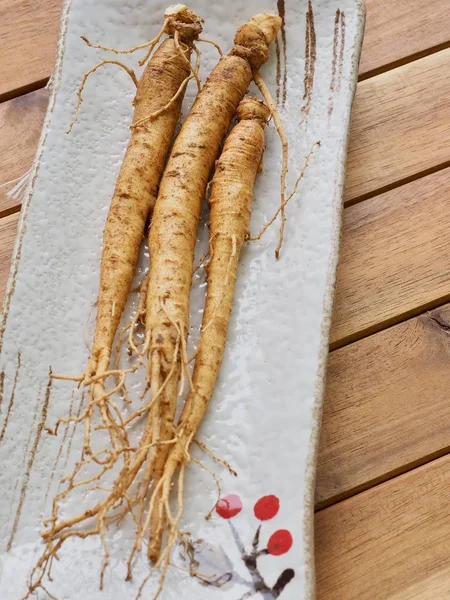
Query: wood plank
{"points": [[389, 543], [400, 126], [8, 229], [29, 32], [394, 31], [391, 265], [20, 123], [401, 29], [386, 406]]}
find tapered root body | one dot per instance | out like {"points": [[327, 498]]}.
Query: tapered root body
{"points": [[176, 215], [177, 211], [141, 171], [230, 210], [230, 202], [175, 222], [231, 197]]}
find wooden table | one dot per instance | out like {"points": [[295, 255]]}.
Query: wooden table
{"points": [[383, 487]]}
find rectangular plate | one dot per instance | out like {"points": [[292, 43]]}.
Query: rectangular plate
{"points": [[265, 415]]}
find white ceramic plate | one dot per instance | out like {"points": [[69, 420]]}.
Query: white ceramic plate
{"points": [[265, 414]]}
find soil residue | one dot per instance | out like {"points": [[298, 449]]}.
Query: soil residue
{"points": [[26, 478]]}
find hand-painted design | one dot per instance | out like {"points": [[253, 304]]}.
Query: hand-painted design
{"points": [[72, 434], [12, 279], [281, 77], [229, 507], [338, 57], [251, 562], [212, 566], [25, 454], [11, 399], [2, 387], [26, 477], [266, 508], [280, 542], [278, 55], [60, 450], [310, 58]]}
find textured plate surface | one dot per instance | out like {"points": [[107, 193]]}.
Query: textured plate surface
{"points": [[265, 415]]}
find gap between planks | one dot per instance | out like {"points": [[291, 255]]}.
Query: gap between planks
{"points": [[405, 60], [376, 482], [12, 210], [29, 33], [390, 542], [400, 127], [24, 90], [386, 407], [402, 31]]}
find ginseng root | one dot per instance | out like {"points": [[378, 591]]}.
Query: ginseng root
{"points": [[157, 107], [142, 168], [174, 229], [230, 201]]}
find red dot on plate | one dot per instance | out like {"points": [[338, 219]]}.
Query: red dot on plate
{"points": [[267, 507], [229, 507], [280, 542]]}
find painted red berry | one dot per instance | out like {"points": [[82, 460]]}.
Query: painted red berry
{"points": [[267, 507], [280, 542], [229, 507]]}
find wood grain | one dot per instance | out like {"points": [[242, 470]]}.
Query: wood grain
{"points": [[400, 126], [386, 406], [8, 228], [391, 265], [28, 34], [389, 543], [396, 31], [20, 123]]}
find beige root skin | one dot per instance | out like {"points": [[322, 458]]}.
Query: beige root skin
{"points": [[175, 221], [135, 193], [158, 101], [231, 197]]}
